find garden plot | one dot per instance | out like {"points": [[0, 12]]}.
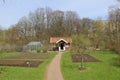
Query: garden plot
{"points": [[22, 63], [29, 56], [86, 58], [24, 60]]}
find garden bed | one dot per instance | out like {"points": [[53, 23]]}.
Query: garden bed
{"points": [[86, 58], [29, 56], [22, 63]]}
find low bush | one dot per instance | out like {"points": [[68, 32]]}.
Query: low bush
{"points": [[10, 48], [116, 61], [2, 69], [42, 50]]}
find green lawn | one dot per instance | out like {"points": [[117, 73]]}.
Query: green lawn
{"points": [[2, 55], [23, 73], [104, 70]]}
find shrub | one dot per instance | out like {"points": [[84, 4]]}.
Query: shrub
{"points": [[10, 48], [2, 70], [117, 50], [42, 50], [116, 61]]}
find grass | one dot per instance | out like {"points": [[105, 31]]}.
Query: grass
{"points": [[23, 73], [2, 55], [104, 70]]}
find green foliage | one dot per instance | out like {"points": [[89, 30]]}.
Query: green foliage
{"points": [[42, 50], [116, 61], [6, 54], [10, 48], [79, 42], [99, 34]]}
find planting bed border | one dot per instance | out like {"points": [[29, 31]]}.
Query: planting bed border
{"points": [[21, 63], [29, 56], [86, 58]]}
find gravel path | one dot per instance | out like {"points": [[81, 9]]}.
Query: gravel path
{"points": [[54, 69]]}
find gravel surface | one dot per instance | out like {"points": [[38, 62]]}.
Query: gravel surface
{"points": [[54, 69]]}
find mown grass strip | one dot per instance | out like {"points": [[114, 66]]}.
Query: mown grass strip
{"points": [[103, 70]]}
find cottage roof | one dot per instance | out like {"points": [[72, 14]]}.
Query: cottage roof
{"points": [[57, 39]]}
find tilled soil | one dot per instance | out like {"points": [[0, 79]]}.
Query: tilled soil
{"points": [[22, 63], [86, 58], [29, 56]]}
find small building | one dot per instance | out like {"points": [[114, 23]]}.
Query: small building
{"points": [[33, 46], [60, 43]]}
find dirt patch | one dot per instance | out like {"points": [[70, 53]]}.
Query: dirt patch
{"points": [[22, 63], [86, 58], [29, 56]]}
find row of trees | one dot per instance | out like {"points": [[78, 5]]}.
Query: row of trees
{"points": [[114, 28], [104, 34], [44, 23]]}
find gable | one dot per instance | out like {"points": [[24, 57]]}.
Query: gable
{"points": [[58, 39]]}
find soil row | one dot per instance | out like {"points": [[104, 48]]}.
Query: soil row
{"points": [[22, 63], [85, 57]]}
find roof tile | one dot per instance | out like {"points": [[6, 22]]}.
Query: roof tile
{"points": [[55, 39]]}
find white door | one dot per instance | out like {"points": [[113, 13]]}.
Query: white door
{"points": [[60, 49]]}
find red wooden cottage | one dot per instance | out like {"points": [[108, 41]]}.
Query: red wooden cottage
{"points": [[60, 43]]}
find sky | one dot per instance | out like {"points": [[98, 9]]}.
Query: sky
{"points": [[12, 10]]}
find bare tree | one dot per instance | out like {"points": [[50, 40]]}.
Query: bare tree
{"points": [[37, 20], [114, 27], [24, 28], [71, 22], [56, 23]]}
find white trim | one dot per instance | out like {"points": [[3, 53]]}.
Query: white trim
{"points": [[61, 40], [61, 49]]}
